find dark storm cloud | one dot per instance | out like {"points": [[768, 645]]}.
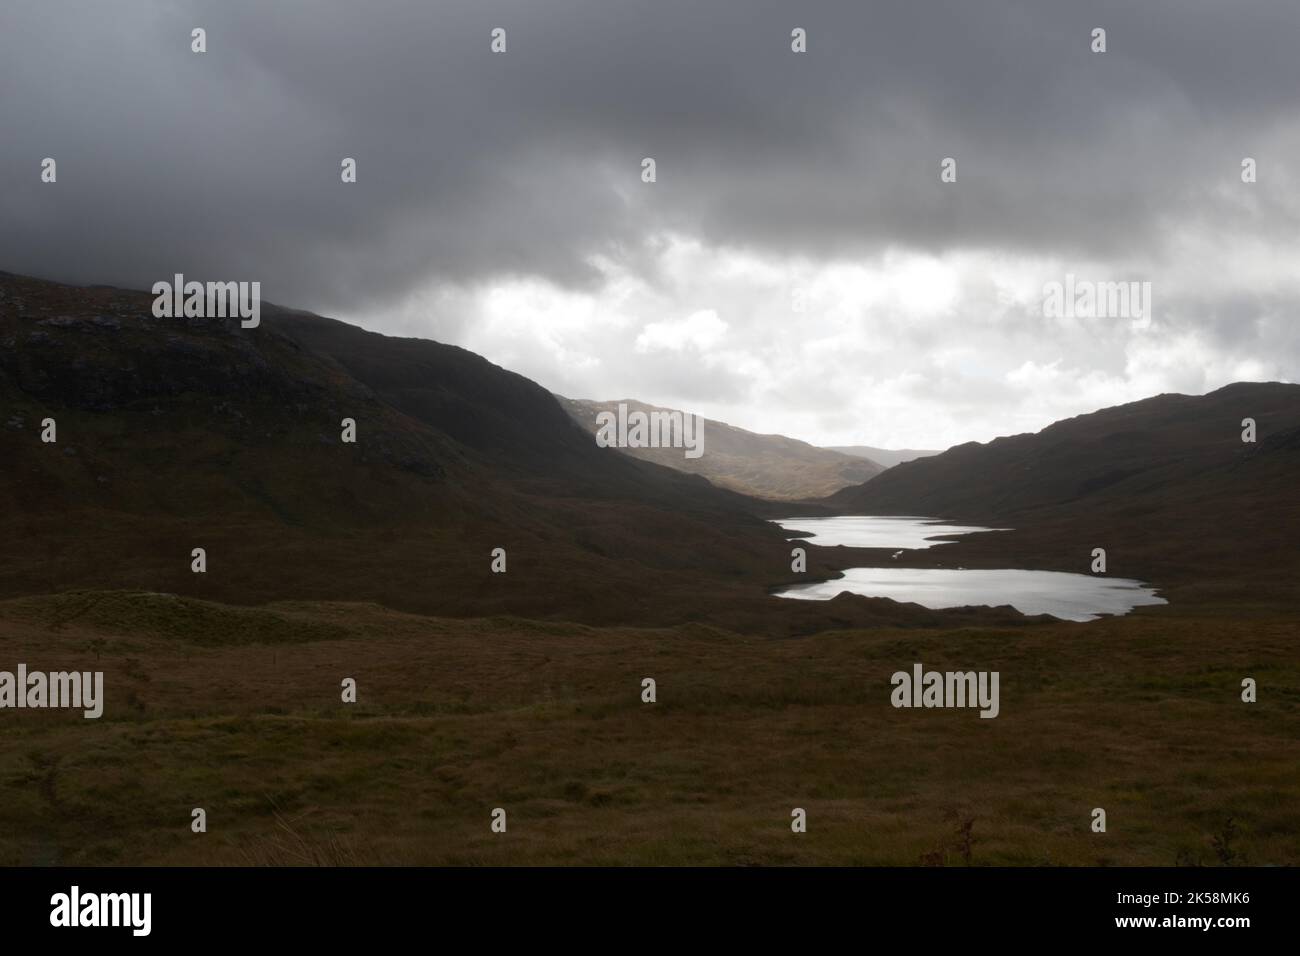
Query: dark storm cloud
{"points": [[476, 166]]}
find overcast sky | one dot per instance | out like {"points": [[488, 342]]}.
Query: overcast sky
{"points": [[798, 266]]}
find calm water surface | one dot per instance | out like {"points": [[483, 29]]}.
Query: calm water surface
{"points": [[1071, 597]]}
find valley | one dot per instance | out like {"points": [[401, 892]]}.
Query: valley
{"points": [[373, 561]]}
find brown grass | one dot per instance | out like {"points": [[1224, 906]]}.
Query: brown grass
{"points": [[1140, 715]]}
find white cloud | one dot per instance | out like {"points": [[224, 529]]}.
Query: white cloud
{"points": [[902, 349], [701, 330]]}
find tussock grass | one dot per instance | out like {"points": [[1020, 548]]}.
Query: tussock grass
{"points": [[1139, 715]]}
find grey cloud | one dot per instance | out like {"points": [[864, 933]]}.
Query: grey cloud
{"points": [[474, 166]]}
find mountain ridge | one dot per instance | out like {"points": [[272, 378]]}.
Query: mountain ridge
{"points": [[885, 457]]}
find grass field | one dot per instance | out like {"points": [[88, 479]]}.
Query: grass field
{"points": [[237, 710]]}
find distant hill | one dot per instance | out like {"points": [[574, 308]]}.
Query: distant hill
{"points": [[766, 466], [1144, 448], [885, 457]]}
